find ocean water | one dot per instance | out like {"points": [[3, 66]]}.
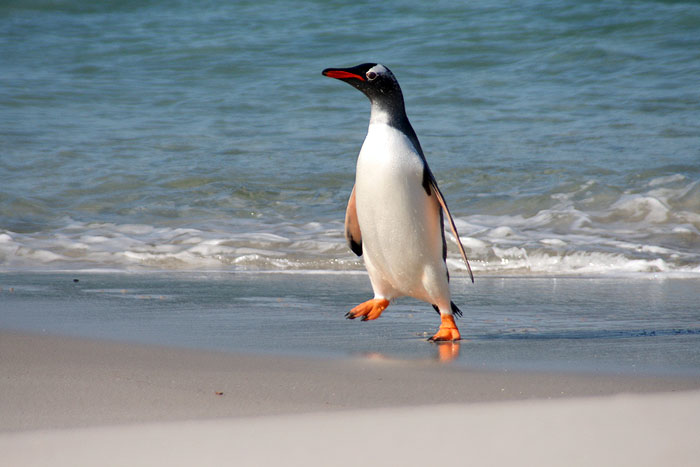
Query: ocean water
{"points": [[200, 135]]}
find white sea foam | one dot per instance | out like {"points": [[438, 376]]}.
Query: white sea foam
{"points": [[641, 208], [553, 241], [652, 231], [666, 180]]}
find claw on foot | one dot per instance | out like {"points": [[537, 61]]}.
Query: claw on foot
{"points": [[448, 330], [369, 310]]}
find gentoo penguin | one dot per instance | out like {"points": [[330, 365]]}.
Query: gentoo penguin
{"points": [[394, 216]]}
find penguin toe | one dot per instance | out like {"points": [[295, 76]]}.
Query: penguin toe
{"points": [[443, 336]]}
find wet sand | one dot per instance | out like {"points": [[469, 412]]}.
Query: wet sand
{"points": [[77, 402], [640, 326]]}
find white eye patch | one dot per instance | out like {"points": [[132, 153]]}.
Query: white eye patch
{"points": [[377, 69]]}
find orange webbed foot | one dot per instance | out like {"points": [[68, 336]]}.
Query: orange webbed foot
{"points": [[448, 330], [369, 310]]}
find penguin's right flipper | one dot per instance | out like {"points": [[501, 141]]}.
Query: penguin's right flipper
{"points": [[438, 194], [352, 226]]}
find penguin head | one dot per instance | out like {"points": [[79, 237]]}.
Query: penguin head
{"points": [[375, 81]]}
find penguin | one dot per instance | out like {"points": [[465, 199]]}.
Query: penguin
{"points": [[394, 217]]}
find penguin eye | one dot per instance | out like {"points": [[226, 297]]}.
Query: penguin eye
{"points": [[371, 75]]}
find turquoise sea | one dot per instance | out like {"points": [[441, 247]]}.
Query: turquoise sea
{"points": [[146, 139], [185, 135]]}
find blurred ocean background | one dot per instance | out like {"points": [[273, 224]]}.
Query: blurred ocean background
{"points": [[159, 135]]}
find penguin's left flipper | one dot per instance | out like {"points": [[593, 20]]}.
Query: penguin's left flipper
{"points": [[448, 330], [432, 183], [352, 226]]}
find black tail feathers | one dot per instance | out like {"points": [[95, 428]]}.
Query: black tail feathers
{"points": [[455, 310]]}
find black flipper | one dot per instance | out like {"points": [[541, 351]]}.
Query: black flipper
{"points": [[427, 180], [354, 246]]}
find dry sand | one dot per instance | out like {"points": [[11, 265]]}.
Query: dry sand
{"points": [[78, 402]]}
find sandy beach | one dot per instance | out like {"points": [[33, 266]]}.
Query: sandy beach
{"points": [[68, 401]]}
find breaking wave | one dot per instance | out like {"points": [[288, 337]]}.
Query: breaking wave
{"points": [[583, 231]]}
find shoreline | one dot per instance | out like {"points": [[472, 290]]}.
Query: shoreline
{"points": [[639, 327], [456, 274]]}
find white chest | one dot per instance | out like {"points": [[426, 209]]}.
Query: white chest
{"points": [[391, 202], [388, 164]]}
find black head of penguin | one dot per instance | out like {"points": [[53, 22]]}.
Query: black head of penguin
{"points": [[378, 83], [375, 81]]}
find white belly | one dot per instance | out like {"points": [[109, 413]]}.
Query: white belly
{"points": [[400, 224]]}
